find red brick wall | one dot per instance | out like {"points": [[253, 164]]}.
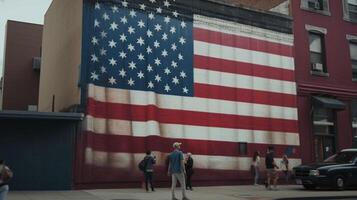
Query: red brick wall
{"points": [[21, 82]]}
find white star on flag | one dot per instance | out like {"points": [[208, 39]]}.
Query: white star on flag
{"points": [[141, 75], [94, 76], [122, 54], [150, 85], [140, 41], [124, 4], [167, 88], [114, 26], [124, 20], [175, 80], [94, 41], [141, 24], [112, 62], [131, 47], [157, 78], [142, 6], [122, 73], [115, 9], [112, 80], [157, 61], [94, 58], [122, 37], [131, 82], [132, 65], [112, 44]]}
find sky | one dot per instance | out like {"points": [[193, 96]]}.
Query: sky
{"points": [[32, 11]]}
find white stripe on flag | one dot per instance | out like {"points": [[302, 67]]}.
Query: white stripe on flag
{"points": [[131, 160], [153, 128], [122, 96], [243, 81], [243, 55]]}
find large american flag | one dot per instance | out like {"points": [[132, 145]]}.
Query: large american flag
{"points": [[157, 76]]}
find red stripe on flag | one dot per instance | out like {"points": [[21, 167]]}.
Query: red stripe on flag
{"points": [[151, 112], [241, 42], [244, 95], [221, 65], [131, 144]]}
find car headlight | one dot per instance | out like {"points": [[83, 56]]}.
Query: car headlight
{"points": [[314, 172]]}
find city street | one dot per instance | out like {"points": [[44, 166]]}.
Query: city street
{"points": [[291, 192]]}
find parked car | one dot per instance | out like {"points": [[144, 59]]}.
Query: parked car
{"points": [[338, 171]]}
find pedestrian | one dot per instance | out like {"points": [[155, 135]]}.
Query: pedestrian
{"points": [[149, 161], [285, 167], [189, 170], [176, 170], [272, 176], [5, 176], [255, 166]]}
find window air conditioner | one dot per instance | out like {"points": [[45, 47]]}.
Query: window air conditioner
{"points": [[314, 4], [317, 67], [317, 5], [36, 63]]}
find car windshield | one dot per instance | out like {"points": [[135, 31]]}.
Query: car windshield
{"points": [[342, 157]]}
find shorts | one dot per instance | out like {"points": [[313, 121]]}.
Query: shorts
{"points": [[272, 172]]}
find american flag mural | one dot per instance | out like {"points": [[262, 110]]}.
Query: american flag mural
{"points": [[157, 75]]}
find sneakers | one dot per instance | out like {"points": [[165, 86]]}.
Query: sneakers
{"points": [[174, 198], [185, 198]]}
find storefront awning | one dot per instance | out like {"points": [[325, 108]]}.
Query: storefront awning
{"points": [[328, 103]]}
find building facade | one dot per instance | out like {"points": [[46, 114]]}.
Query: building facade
{"points": [[20, 82], [325, 57], [240, 97]]}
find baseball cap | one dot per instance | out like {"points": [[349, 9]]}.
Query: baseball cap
{"points": [[175, 144]]}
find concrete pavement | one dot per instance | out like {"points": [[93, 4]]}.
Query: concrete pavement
{"points": [[199, 193]]}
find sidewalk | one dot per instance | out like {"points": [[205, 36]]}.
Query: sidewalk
{"points": [[199, 193]]}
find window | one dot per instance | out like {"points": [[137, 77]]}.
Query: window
{"points": [[317, 52], [319, 6], [353, 54], [354, 121], [243, 148], [350, 10], [315, 4]]}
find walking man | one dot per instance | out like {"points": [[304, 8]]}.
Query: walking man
{"points": [[177, 170], [150, 160], [271, 167]]}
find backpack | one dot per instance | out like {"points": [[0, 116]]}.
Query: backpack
{"points": [[6, 174], [142, 165]]}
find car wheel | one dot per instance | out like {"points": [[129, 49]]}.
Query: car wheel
{"points": [[339, 182], [309, 187]]}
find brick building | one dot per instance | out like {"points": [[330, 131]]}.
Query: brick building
{"points": [[325, 34], [21, 77]]}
